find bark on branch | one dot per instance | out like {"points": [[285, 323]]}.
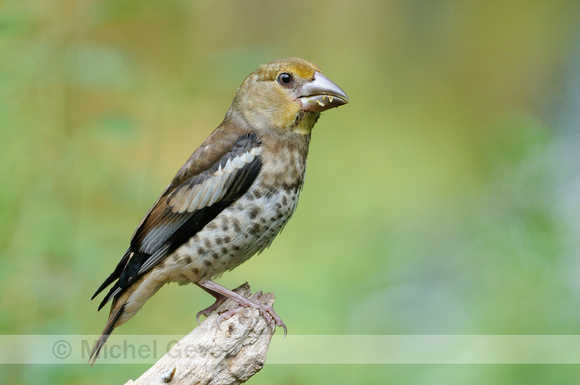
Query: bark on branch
{"points": [[226, 353]]}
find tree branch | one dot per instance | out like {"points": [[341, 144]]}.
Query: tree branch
{"points": [[226, 353]]}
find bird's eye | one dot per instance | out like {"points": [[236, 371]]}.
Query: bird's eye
{"points": [[285, 79]]}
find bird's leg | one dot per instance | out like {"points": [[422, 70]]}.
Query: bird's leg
{"points": [[219, 299], [267, 311]]}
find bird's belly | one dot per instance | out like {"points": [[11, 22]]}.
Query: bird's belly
{"points": [[245, 228]]}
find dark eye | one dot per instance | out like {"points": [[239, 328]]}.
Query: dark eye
{"points": [[285, 79]]}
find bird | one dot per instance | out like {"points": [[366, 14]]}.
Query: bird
{"points": [[231, 198]]}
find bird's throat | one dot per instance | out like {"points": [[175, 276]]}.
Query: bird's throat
{"points": [[304, 122]]}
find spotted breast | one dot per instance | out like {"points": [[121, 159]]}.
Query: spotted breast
{"points": [[249, 225]]}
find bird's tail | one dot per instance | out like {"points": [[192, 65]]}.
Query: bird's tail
{"points": [[114, 316]]}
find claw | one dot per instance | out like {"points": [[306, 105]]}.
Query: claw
{"points": [[199, 314], [210, 309]]}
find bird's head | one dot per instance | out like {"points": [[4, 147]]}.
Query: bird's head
{"points": [[286, 94]]}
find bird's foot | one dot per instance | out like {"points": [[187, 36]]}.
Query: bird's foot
{"points": [[267, 311]]}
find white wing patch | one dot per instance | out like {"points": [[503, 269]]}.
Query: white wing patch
{"points": [[213, 188]]}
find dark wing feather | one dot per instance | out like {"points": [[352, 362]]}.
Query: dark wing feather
{"points": [[186, 206]]}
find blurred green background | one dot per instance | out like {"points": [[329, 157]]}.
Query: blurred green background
{"points": [[442, 200]]}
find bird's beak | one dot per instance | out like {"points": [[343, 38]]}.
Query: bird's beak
{"points": [[320, 94]]}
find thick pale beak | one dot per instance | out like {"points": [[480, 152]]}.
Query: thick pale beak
{"points": [[321, 94]]}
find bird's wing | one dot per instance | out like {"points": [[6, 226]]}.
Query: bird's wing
{"points": [[190, 202]]}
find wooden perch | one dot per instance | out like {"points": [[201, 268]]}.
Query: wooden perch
{"points": [[226, 353]]}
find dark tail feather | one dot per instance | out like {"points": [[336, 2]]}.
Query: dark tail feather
{"points": [[107, 282], [115, 289], [105, 335], [115, 274]]}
